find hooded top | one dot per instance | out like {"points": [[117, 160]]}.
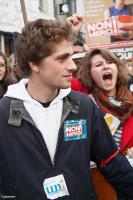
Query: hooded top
{"points": [[46, 119]]}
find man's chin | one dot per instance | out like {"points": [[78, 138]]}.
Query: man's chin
{"points": [[65, 86]]}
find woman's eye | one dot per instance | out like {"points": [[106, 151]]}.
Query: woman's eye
{"points": [[109, 62], [98, 65]]}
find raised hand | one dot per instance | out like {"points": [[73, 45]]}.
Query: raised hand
{"points": [[76, 21]]}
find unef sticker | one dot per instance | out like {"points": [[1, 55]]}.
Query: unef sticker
{"points": [[75, 130], [112, 122], [55, 187]]}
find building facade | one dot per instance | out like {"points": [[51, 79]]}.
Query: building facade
{"points": [[11, 19]]}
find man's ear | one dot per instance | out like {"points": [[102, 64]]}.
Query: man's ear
{"points": [[34, 67]]}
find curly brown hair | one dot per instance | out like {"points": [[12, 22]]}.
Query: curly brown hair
{"points": [[85, 71], [38, 40]]}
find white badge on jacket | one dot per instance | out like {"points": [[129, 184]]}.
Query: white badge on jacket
{"points": [[112, 122], [55, 187]]}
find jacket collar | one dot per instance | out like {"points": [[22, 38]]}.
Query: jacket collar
{"points": [[18, 111], [70, 104]]}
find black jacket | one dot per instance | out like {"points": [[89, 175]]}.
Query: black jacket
{"points": [[25, 162]]}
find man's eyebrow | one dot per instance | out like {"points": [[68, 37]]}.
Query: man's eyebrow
{"points": [[63, 56]]}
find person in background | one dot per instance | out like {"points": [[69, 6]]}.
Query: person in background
{"points": [[111, 84], [129, 66], [47, 127], [125, 29], [75, 84], [105, 77], [78, 54], [78, 49], [78, 44], [6, 77], [15, 69]]}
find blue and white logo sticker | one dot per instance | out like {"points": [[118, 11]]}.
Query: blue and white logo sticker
{"points": [[75, 130], [55, 187]]}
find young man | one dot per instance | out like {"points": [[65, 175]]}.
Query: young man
{"points": [[49, 133]]}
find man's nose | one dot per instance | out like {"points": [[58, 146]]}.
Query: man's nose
{"points": [[72, 66]]}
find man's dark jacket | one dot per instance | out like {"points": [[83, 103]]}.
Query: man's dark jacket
{"points": [[25, 161]]}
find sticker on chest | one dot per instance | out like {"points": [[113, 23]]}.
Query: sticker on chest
{"points": [[75, 130], [55, 187]]}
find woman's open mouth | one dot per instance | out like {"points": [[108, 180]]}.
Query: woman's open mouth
{"points": [[107, 76]]}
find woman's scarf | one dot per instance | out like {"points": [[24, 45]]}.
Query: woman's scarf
{"points": [[120, 107]]}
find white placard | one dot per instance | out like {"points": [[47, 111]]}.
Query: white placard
{"points": [[11, 19]]}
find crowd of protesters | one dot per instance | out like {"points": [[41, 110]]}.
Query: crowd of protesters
{"points": [[40, 154]]}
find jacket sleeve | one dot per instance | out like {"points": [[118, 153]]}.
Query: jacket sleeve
{"points": [[7, 187], [119, 173], [113, 165]]}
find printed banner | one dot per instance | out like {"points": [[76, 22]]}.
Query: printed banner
{"points": [[102, 28], [109, 23], [124, 53]]}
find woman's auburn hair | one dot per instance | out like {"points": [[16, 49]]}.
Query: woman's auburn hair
{"points": [[85, 71]]}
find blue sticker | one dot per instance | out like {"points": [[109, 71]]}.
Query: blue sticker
{"points": [[75, 130]]}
